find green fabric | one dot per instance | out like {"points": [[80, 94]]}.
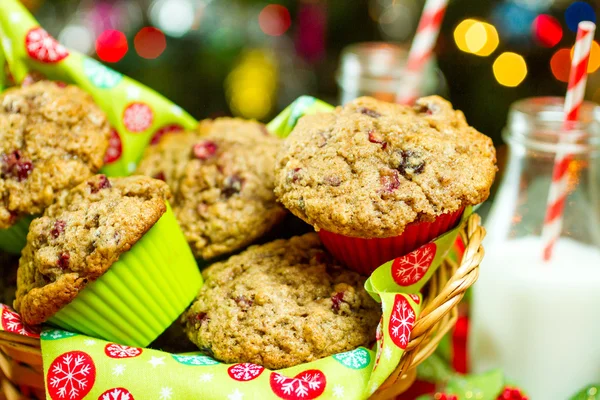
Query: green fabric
{"points": [[13, 239], [135, 111], [351, 375]]}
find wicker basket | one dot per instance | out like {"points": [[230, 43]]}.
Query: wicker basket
{"points": [[22, 376]]}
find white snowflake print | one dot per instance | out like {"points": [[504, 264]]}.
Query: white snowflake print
{"points": [[89, 342], [114, 350], [156, 361], [356, 359], [118, 370], [71, 376], [138, 117], [7, 44], [245, 371], [373, 388], [176, 110], [11, 322], [338, 391], [306, 385], [165, 393], [116, 394], [236, 395], [206, 378], [401, 322], [43, 48], [133, 92], [387, 353], [411, 268]]}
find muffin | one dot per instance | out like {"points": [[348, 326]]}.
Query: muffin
{"points": [[378, 180], [107, 260], [281, 304], [221, 177], [51, 139]]}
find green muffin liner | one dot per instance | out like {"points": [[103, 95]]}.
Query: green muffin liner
{"points": [[142, 293], [13, 239]]}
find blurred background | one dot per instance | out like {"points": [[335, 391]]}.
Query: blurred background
{"points": [[251, 58]]}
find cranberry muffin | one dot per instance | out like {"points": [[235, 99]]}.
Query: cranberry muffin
{"points": [[221, 176], [51, 139], [79, 237], [281, 304], [370, 168]]}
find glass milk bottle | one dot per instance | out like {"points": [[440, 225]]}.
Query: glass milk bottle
{"points": [[378, 69], [540, 322]]}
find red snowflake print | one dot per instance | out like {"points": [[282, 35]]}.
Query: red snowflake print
{"points": [[115, 147], [245, 371], [401, 321], [43, 48], [379, 337], [11, 322], [116, 394], [171, 128], [306, 385], [137, 117], [114, 350], [71, 376], [411, 268], [415, 298]]}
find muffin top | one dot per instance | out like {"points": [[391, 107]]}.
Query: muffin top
{"points": [[51, 139], [369, 168], [221, 176], [281, 304], [80, 236]]}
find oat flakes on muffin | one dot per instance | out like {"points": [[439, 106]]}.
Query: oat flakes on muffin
{"points": [[79, 237], [51, 139], [221, 176], [369, 168], [281, 304]]}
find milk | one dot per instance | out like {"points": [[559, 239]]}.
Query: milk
{"points": [[539, 322]]}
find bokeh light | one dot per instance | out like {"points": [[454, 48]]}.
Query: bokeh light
{"points": [[510, 69], [512, 19], [251, 87], [460, 34], [111, 45], [174, 17], [274, 20], [546, 30], [560, 64], [594, 61], [77, 37], [476, 37], [149, 42], [577, 12]]}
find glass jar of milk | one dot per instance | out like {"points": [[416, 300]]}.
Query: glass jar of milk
{"points": [[540, 322]]}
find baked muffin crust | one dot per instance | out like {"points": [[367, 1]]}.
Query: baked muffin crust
{"points": [[51, 139], [80, 236], [369, 168]]}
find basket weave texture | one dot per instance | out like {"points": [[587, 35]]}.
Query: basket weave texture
{"points": [[21, 372]]}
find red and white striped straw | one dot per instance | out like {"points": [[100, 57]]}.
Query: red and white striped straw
{"points": [[422, 45], [575, 93]]}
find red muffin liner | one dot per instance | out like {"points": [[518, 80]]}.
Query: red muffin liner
{"points": [[365, 255]]}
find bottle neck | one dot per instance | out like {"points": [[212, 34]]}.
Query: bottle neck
{"points": [[537, 124]]}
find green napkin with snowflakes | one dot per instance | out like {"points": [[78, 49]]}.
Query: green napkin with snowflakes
{"points": [[78, 367], [137, 114]]}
